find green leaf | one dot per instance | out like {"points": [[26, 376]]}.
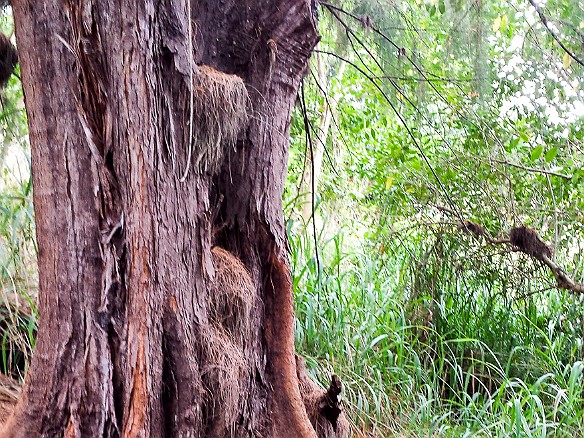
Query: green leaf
{"points": [[497, 24], [536, 152], [551, 154], [504, 22], [376, 340], [513, 143], [566, 61], [441, 7], [415, 163]]}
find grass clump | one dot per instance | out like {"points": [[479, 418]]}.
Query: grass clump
{"points": [[426, 350]]}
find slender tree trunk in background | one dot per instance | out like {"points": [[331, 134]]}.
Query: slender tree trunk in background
{"points": [[159, 147], [313, 168]]}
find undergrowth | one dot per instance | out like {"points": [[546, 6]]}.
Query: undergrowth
{"points": [[424, 349], [18, 279], [18, 267]]}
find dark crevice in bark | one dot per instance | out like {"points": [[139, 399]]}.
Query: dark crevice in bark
{"points": [[330, 404], [117, 378], [115, 331], [169, 389]]}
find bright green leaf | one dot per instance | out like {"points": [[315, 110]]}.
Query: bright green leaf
{"points": [[536, 152], [504, 22], [566, 61], [551, 154]]}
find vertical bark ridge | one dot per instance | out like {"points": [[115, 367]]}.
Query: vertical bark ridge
{"points": [[71, 288]]}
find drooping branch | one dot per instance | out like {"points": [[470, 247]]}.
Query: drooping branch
{"points": [[562, 278], [526, 240], [310, 145], [403, 122], [545, 22]]}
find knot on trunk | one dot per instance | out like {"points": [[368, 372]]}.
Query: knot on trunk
{"points": [[330, 405], [324, 408]]}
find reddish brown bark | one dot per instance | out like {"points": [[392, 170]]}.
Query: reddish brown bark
{"points": [[145, 330]]}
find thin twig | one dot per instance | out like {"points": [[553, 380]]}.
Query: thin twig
{"points": [[310, 144], [545, 22], [533, 169], [405, 125]]}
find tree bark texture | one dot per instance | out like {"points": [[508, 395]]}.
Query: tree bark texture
{"points": [[159, 137]]}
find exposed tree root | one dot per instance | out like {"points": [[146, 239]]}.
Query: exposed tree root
{"points": [[9, 393]]}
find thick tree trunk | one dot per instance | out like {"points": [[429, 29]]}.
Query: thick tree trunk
{"points": [[159, 147]]}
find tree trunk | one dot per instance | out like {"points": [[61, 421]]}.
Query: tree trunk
{"points": [[159, 147]]}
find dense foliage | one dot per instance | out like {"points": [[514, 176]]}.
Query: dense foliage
{"points": [[442, 113]]}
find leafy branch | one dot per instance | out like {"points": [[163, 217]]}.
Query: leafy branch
{"points": [[526, 240]]}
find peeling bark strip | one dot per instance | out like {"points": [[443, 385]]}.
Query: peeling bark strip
{"points": [[159, 145]]}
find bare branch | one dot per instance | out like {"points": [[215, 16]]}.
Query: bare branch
{"points": [[545, 22], [533, 169], [564, 282], [527, 241]]}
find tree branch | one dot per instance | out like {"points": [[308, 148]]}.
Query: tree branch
{"points": [[545, 22], [533, 169], [527, 241], [562, 279]]}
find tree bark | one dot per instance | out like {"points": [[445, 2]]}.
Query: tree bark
{"points": [[159, 147]]}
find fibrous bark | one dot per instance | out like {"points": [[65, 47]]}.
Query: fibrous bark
{"points": [[159, 144]]}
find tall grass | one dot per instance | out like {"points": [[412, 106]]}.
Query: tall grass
{"points": [[18, 279], [424, 350], [18, 268]]}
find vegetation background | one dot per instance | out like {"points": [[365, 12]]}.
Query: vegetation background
{"points": [[417, 118]]}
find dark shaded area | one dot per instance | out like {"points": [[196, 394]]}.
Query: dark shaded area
{"points": [[331, 403], [324, 408], [527, 241], [8, 59], [473, 228]]}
